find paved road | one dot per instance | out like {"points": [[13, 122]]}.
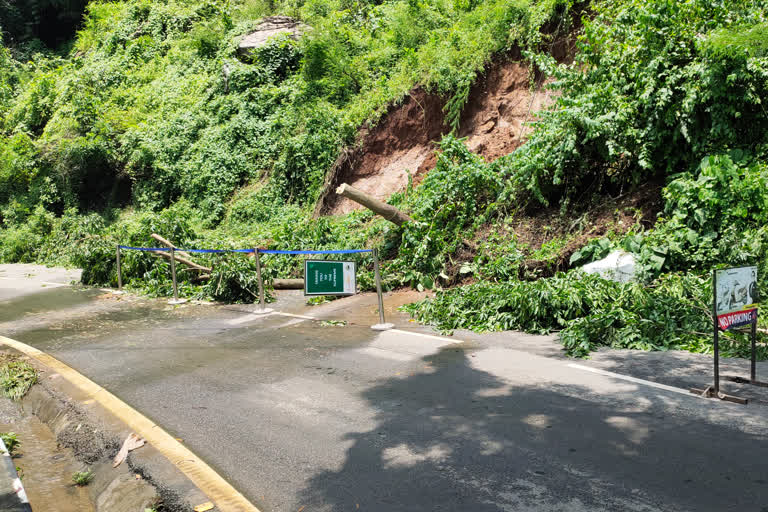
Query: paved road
{"points": [[302, 416]]}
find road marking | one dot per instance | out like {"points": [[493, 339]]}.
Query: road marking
{"points": [[430, 336], [632, 379], [49, 283], [248, 318], [226, 497], [401, 331], [305, 317]]}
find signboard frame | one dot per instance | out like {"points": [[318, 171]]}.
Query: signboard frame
{"points": [[735, 296], [346, 290], [735, 304]]}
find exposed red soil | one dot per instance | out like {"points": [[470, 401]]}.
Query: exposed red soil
{"points": [[403, 142]]}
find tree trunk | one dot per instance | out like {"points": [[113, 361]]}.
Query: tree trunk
{"points": [[288, 284], [387, 211]]}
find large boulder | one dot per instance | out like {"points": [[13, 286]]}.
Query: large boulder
{"points": [[617, 266], [270, 27]]}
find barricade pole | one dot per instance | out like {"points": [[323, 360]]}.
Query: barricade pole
{"points": [[262, 301], [173, 274], [176, 299], [382, 325], [119, 271]]}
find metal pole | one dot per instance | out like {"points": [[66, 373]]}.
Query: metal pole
{"points": [[717, 333], [262, 301], [378, 285], [753, 372], [173, 274], [263, 309], [119, 271], [382, 325]]}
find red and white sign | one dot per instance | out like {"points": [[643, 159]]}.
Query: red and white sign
{"points": [[736, 319], [736, 297]]}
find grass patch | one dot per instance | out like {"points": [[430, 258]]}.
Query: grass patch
{"points": [[16, 377], [82, 478], [11, 441]]}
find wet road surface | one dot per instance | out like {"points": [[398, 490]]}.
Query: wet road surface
{"points": [[300, 414]]}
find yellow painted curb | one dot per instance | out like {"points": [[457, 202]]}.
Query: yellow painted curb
{"points": [[226, 497]]}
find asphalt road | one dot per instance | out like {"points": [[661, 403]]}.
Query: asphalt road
{"points": [[304, 416]]}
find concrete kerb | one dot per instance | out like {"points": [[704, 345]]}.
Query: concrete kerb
{"points": [[13, 498], [93, 422]]}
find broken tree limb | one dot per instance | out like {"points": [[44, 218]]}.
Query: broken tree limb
{"points": [[181, 256], [288, 284], [167, 243], [185, 261], [387, 211]]}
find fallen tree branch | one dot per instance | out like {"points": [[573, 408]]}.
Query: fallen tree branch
{"points": [[185, 261], [387, 211], [181, 256], [167, 243]]}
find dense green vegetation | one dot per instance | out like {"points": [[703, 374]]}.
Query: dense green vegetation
{"points": [[136, 128]]}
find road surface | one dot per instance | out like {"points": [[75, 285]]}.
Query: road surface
{"points": [[301, 415]]}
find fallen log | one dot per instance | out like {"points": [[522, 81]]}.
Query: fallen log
{"points": [[387, 211], [288, 284]]}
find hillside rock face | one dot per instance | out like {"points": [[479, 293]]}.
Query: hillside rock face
{"points": [[269, 27]]}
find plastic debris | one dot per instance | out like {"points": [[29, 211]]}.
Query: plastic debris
{"points": [[203, 507], [132, 442], [618, 266]]}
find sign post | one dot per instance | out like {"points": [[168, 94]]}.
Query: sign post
{"points": [[717, 335], [734, 304], [382, 325]]}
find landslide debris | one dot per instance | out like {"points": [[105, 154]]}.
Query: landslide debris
{"points": [[402, 145]]}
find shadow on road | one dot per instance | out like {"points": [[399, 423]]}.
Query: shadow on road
{"points": [[458, 438]]}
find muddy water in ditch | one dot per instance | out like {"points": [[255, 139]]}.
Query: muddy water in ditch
{"points": [[46, 469]]}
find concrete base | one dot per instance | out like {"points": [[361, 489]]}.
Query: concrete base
{"points": [[382, 327], [177, 301], [263, 311]]}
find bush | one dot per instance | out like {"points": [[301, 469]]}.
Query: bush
{"points": [[714, 216], [454, 199], [589, 312], [646, 96], [234, 279]]}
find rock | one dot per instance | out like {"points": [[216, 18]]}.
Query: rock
{"points": [[617, 266], [269, 27]]}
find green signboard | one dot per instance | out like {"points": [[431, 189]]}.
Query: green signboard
{"points": [[329, 277]]}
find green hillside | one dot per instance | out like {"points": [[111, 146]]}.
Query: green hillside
{"points": [[144, 117]]}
